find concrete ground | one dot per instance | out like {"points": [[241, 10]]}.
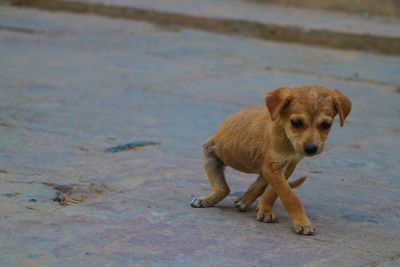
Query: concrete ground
{"points": [[73, 86], [367, 32], [374, 7]]}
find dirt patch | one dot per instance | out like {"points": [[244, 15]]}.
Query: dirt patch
{"points": [[5, 125], [366, 7], [13, 194], [71, 194]]}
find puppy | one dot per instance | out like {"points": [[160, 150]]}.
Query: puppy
{"points": [[270, 142]]}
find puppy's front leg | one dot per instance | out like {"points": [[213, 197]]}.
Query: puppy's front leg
{"points": [[265, 212], [294, 207]]}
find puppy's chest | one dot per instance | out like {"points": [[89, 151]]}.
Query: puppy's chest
{"points": [[289, 162]]}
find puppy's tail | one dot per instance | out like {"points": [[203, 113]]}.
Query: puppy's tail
{"points": [[297, 182]]}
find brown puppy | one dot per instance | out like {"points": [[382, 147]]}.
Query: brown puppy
{"points": [[270, 142]]}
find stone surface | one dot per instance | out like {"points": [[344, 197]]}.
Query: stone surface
{"points": [[73, 86], [242, 10], [239, 17], [366, 7]]}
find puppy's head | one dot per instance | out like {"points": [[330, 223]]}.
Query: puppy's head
{"points": [[306, 114]]}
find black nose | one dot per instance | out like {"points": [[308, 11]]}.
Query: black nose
{"points": [[310, 149]]}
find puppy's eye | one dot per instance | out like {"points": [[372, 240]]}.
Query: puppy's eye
{"points": [[325, 125], [297, 124]]}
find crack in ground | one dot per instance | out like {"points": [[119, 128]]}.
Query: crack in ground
{"points": [[20, 30]]}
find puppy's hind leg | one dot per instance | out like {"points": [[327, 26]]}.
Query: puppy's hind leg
{"points": [[215, 171], [255, 190]]}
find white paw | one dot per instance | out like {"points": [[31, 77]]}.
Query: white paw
{"points": [[196, 203]]}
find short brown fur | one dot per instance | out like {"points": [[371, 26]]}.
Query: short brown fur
{"points": [[270, 142]]}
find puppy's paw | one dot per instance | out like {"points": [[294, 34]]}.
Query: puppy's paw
{"points": [[241, 205], [200, 203], [197, 203], [304, 229], [269, 217], [266, 214]]}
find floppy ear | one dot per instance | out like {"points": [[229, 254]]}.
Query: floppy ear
{"points": [[342, 105], [277, 100]]}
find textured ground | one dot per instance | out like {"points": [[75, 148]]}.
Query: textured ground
{"points": [[73, 86], [249, 18]]}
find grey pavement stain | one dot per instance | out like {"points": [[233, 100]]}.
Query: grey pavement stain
{"points": [[20, 30], [360, 218]]}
